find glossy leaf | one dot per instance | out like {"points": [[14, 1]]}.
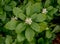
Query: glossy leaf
{"points": [[11, 24], [36, 8], [13, 4], [58, 1], [35, 26], [20, 28], [20, 37], [48, 34], [47, 3], [19, 13], [53, 11], [56, 29], [34, 16], [40, 17], [7, 8], [29, 34], [41, 41], [3, 16], [28, 9], [8, 40], [43, 26]]}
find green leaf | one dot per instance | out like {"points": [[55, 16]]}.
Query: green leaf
{"points": [[41, 41], [11, 24], [43, 26], [36, 8], [21, 16], [19, 13], [13, 4], [29, 34], [1, 10], [2, 39], [28, 9], [58, 1], [49, 8], [47, 3], [8, 40], [7, 8], [35, 26], [7, 1], [38, 0], [40, 17], [34, 16], [2, 3], [20, 27], [3, 16], [20, 37], [56, 29], [53, 11], [48, 34]]}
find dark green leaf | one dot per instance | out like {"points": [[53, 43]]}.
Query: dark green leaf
{"points": [[41, 41]]}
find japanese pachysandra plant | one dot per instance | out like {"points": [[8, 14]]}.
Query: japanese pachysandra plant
{"points": [[30, 20]]}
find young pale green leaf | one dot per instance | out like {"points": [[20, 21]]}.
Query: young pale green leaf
{"points": [[8, 40], [19, 13], [20, 37], [29, 34], [48, 34], [35, 26], [43, 26], [41, 41], [47, 3], [36, 8], [58, 1], [20, 28], [11, 24], [40, 17]]}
